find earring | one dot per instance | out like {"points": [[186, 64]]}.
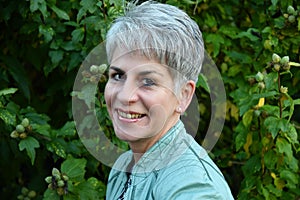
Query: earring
{"points": [[179, 110]]}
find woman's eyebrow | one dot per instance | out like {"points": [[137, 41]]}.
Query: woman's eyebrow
{"points": [[143, 73], [117, 69]]}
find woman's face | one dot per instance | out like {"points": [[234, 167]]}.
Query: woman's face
{"points": [[140, 98]]}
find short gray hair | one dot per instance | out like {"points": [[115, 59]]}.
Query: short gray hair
{"points": [[162, 32]]}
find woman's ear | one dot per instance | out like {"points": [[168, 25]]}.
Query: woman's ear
{"points": [[186, 95]]}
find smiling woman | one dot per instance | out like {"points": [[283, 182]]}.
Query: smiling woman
{"points": [[155, 53]]}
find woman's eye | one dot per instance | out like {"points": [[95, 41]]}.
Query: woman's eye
{"points": [[148, 82], [117, 76]]}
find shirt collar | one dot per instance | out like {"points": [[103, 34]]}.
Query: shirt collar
{"points": [[164, 151]]}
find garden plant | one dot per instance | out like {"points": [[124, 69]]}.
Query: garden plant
{"points": [[254, 43]]}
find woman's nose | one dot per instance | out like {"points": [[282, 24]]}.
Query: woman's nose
{"points": [[128, 92]]}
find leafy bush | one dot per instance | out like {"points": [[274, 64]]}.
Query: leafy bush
{"points": [[255, 44]]}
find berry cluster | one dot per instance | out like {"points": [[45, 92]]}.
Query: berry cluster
{"points": [[291, 14], [22, 130], [58, 182], [26, 194], [279, 63], [95, 73]]}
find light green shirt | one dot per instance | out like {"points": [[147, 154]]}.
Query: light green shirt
{"points": [[174, 168]]}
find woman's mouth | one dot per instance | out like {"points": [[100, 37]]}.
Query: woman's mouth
{"points": [[127, 115]]}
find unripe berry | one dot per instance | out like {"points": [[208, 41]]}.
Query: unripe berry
{"points": [[285, 60], [32, 194], [57, 177], [283, 90], [261, 85], [20, 128], [292, 19], [60, 191], [26, 198], [290, 9], [23, 135], [55, 171], [276, 58], [24, 191], [20, 197], [277, 67], [286, 66], [86, 74], [259, 77], [25, 122], [14, 134], [65, 177], [94, 79], [285, 15], [257, 113], [48, 179], [28, 128], [102, 68], [268, 44], [94, 69], [50, 186], [60, 183]]}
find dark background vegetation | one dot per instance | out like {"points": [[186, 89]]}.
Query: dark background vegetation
{"points": [[43, 44]]}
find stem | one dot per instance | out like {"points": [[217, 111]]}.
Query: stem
{"points": [[280, 105]]}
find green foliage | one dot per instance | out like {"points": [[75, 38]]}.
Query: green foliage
{"points": [[255, 44]]}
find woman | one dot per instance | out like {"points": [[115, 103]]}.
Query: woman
{"points": [[155, 53]]}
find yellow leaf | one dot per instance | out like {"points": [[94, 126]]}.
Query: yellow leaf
{"points": [[294, 64], [248, 143], [273, 175], [279, 183], [261, 102]]}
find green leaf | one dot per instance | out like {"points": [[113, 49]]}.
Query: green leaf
{"points": [[274, 125], [229, 31], [67, 130], [216, 40], [29, 143], [56, 147], [283, 146], [34, 117], [19, 74], [47, 31], [56, 57], [247, 118], [202, 81], [51, 195], [87, 94], [248, 34], [290, 177], [274, 2], [74, 168], [270, 159], [292, 134], [7, 117], [240, 57], [43, 129], [39, 5], [241, 137], [87, 191], [280, 22], [89, 5], [78, 35], [274, 190], [8, 91], [60, 13], [252, 165], [271, 80]]}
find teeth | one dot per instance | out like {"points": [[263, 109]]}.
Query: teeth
{"points": [[129, 116]]}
